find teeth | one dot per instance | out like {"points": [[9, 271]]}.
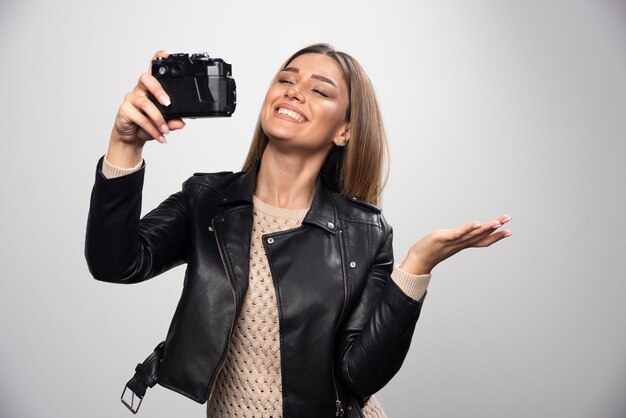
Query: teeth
{"points": [[290, 113]]}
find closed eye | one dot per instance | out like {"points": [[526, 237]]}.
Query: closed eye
{"points": [[283, 81], [320, 92]]}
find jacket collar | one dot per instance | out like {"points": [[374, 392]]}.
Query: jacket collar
{"points": [[323, 211]]}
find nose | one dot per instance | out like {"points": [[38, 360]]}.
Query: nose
{"points": [[293, 92]]}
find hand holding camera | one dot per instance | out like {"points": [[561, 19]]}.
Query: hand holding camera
{"points": [[177, 86]]}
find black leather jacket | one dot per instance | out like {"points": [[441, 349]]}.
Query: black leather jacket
{"points": [[345, 326]]}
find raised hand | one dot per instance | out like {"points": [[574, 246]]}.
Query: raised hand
{"points": [[441, 244], [138, 120]]}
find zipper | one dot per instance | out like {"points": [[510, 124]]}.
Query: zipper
{"points": [[232, 325], [340, 412]]}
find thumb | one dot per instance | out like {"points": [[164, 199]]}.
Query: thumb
{"points": [[175, 124]]}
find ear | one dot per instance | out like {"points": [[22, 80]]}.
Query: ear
{"points": [[343, 135]]}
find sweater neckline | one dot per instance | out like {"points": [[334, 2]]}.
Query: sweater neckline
{"points": [[278, 212]]}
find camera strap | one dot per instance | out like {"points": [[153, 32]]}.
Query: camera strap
{"points": [[145, 377]]}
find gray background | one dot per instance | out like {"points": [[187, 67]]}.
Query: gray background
{"points": [[491, 107]]}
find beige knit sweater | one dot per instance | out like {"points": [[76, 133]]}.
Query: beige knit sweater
{"points": [[249, 383]]}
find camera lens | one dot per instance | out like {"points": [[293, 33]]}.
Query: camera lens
{"points": [[162, 70]]}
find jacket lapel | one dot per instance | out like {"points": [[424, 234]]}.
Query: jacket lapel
{"points": [[233, 223], [233, 228], [323, 211]]}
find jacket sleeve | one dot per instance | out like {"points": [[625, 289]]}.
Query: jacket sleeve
{"points": [[374, 340], [122, 248]]}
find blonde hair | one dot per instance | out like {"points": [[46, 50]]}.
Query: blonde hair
{"points": [[361, 168]]}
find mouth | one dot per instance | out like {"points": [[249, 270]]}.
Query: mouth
{"points": [[288, 113]]}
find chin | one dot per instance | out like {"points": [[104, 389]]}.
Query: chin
{"points": [[277, 131]]}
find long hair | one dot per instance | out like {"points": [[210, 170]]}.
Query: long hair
{"points": [[360, 168]]}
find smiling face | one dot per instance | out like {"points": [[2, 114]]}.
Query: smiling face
{"points": [[307, 104]]}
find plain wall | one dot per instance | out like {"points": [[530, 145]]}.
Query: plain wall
{"points": [[491, 107]]}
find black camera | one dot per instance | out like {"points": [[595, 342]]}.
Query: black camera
{"points": [[198, 86]]}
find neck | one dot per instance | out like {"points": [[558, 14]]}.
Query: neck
{"points": [[287, 180]]}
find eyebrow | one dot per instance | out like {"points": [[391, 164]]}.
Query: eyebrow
{"points": [[315, 76]]}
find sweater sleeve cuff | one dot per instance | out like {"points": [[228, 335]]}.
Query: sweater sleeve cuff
{"points": [[412, 285], [111, 171]]}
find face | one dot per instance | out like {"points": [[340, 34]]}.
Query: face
{"points": [[306, 106]]}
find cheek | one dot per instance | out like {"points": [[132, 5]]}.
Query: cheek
{"points": [[267, 110], [274, 92], [267, 104], [267, 101], [331, 113], [271, 96]]}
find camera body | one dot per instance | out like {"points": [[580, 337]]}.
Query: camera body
{"points": [[198, 86]]}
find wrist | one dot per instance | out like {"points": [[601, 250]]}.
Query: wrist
{"points": [[124, 154], [414, 265]]}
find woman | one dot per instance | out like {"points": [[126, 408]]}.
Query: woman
{"points": [[292, 306]]}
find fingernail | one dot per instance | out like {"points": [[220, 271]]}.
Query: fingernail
{"points": [[508, 233], [164, 100], [508, 218], [498, 225], [476, 225], [165, 129], [163, 140]]}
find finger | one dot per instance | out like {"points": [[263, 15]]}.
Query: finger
{"points": [[486, 229], [504, 218], [144, 105], [176, 124], [493, 238], [474, 229], [460, 232], [478, 232], [144, 123], [475, 241], [150, 110], [149, 83]]}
